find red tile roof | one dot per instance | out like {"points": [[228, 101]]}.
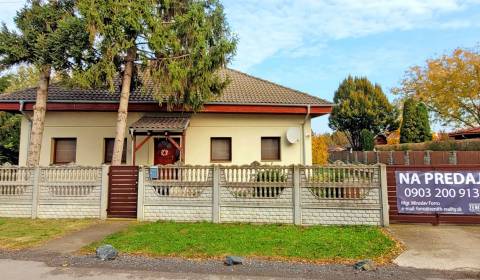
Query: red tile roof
{"points": [[243, 89], [474, 130]]}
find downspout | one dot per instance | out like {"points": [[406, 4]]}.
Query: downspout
{"points": [[22, 105], [304, 144]]}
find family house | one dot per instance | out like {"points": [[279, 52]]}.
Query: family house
{"points": [[253, 121]]}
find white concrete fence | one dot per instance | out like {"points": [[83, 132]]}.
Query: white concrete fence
{"points": [[51, 192], [302, 195]]}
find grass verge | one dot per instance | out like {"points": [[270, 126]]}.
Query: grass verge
{"points": [[282, 242], [19, 233]]}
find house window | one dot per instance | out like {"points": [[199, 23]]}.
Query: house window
{"points": [[270, 148], [221, 149], [64, 150], [109, 143]]}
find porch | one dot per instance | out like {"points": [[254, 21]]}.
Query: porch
{"points": [[168, 136]]}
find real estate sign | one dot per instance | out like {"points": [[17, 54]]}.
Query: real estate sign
{"points": [[442, 192]]}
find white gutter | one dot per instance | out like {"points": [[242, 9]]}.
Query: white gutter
{"points": [[29, 119], [304, 144]]}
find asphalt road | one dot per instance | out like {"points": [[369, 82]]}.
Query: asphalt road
{"points": [[30, 270], [25, 266]]}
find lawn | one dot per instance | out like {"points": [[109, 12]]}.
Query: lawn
{"points": [[16, 233], [286, 242]]}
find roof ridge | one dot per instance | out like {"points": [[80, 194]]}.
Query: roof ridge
{"points": [[279, 85]]}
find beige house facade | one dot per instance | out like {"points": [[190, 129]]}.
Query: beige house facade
{"points": [[253, 121], [90, 129]]}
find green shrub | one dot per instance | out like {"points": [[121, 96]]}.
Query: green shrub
{"points": [[271, 176], [447, 145], [329, 175], [441, 145]]}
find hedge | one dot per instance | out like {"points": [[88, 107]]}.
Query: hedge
{"points": [[446, 145]]}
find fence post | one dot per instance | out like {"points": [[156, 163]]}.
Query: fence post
{"points": [[35, 191], [406, 158], [452, 158], [104, 193], [427, 159], [140, 193], [216, 194], [384, 195], [297, 214]]}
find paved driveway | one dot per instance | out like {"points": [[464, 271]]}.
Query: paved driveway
{"points": [[439, 247]]}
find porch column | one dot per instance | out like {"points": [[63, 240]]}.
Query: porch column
{"points": [[182, 151], [134, 149]]}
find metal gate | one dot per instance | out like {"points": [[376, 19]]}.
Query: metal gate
{"points": [[122, 192], [396, 217]]}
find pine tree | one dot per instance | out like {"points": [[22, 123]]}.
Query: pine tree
{"points": [[367, 140], [361, 105], [424, 122], [178, 45], [50, 37], [415, 126], [408, 129]]}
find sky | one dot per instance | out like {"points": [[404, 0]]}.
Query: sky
{"points": [[312, 45]]}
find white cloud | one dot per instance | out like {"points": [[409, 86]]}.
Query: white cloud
{"points": [[303, 27]]}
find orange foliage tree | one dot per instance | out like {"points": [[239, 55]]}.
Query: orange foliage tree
{"points": [[320, 143]]}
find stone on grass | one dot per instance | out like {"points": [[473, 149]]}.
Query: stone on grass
{"points": [[233, 260], [106, 252], [365, 265]]}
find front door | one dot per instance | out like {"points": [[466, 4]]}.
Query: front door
{"points": [[165, 152]]}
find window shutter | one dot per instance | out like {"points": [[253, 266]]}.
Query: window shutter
{"points": [[221, 149], [270, 148], [65, 150], [109, 143]]}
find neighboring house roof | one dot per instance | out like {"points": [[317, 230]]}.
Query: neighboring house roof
{"points": [[243, 89], [467, 131]]}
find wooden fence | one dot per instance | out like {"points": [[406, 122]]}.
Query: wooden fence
{"points": [[417, 158]]}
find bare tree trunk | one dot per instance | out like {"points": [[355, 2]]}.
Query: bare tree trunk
{"points": [[123, 107], [33, 158]]}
